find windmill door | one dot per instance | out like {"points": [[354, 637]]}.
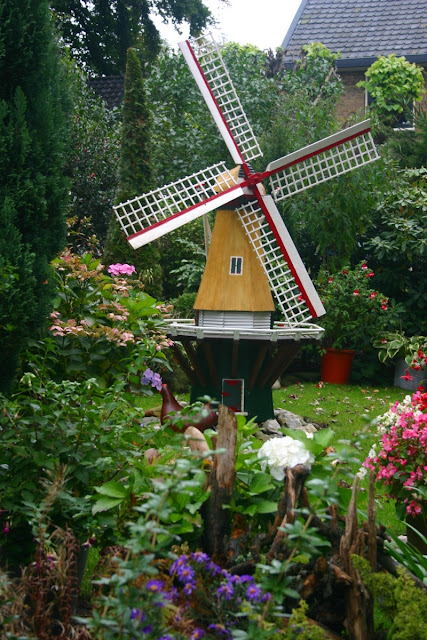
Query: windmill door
{"points": [[233, 394]]}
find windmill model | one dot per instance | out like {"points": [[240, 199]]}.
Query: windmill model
{"points": [[233, 352]]}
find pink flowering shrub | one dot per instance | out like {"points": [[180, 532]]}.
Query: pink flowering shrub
{"points": [[401, 463], [121, 269], [104, 326]]}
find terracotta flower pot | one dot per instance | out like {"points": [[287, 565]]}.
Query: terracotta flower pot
{"points": [[336, 365]]}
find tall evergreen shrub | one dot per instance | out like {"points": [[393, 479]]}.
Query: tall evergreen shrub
{"points": [[135, 177], [33, 191]]}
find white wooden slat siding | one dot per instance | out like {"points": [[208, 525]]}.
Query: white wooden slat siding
{"points": [[238, 319]]}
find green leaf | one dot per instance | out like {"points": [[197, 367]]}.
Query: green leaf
{"points": [[259, 483], [104, 504], [112, 489]]}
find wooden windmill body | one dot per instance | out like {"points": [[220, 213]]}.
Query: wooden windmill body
{"points": [[233, 351]]}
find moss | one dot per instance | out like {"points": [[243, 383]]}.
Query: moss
{"points": [[299, 627], [399, 599]]}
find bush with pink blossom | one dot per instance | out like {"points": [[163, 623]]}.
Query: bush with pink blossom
{"points": [[401, 463], [103, 326]]}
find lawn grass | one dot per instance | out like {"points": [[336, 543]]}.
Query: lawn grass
{"points": [[348, 410]]}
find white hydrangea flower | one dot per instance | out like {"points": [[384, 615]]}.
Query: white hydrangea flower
{"points": [[282, 453]]}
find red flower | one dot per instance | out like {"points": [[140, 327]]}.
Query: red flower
{"points": [[330, 280], [373, 295], [370, 274], [407, 376], [364, 265], [345, 271], [356, 292]]}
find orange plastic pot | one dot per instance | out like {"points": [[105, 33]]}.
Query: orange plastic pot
{"points": [[336, 365]]}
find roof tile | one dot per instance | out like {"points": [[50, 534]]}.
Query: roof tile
{"points": [[361, 28]]}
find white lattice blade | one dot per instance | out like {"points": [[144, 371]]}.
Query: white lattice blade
{"points": [[183, 217], [288, 278], [211, 102], [153, 208], [291, 254], [323, 160], [319, 146], [207, 66]]}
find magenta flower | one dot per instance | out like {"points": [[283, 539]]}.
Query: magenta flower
{"points": [[121, 269]]}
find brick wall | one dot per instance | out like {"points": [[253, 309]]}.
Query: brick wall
{"points": [[353, 99]]}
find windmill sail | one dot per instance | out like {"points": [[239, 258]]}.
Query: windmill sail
{"points": [[207, 66], [321, 161], [289, 281], [152, 215]]}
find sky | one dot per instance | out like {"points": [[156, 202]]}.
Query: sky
{"points": [[263, 23]]}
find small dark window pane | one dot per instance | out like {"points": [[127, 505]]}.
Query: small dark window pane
{"points": [[236, 265]]}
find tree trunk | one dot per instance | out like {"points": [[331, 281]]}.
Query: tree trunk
{"points": [[221, 482]]}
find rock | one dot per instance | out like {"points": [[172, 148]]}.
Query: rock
{"points": [[196, 440], [271, 427], [276, 385], [307, 428], [288, 419]]}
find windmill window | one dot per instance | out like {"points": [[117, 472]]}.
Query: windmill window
{"points": [[236, 266]]}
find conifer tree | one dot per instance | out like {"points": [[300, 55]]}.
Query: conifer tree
{"points": [[33, 191], [135, 177]]}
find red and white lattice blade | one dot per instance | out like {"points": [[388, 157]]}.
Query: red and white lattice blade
{"points": [[152, 215], [289, 281], [207, 66], [321, 161]]}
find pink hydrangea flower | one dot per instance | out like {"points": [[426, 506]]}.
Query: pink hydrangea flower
{"points": [[121, 269]]}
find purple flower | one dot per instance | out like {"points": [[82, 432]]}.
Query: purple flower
{"points": [[200, 557], [147, 629], [149, 377], [254, 593], [246, 578], [157, 381], [137, 613], [188, 588], [154, 586], [197, 634], [220, 629], [226, 590], [179, 562], [186, 573], [214, 569], [166, 637]]}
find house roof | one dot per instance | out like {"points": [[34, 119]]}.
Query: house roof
{"points": [[110, 88], [361, 30]]}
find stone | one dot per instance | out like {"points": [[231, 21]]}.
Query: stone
{"points": [[288, 419], [276, 385], [271, 427]]}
